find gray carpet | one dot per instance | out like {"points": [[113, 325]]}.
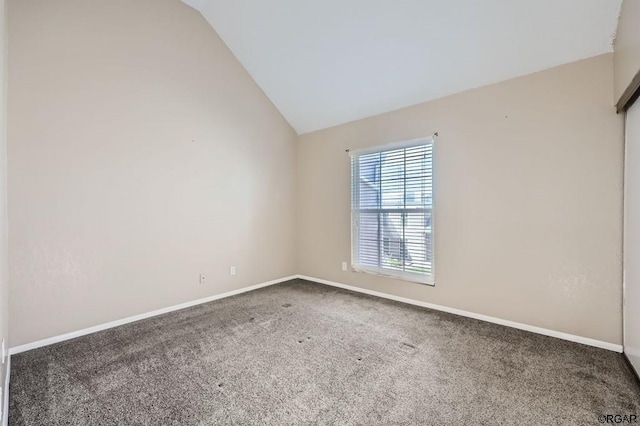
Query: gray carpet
{"points": [[305, 353]]}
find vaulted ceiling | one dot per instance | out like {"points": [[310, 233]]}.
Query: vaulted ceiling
{"points": [[327, 62]]}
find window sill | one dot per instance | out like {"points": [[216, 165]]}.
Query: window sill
{"points": [[413, 278]]}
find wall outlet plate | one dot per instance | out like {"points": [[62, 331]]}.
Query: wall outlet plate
{"points": [[232, 271], [344, 266], [202, 279]]}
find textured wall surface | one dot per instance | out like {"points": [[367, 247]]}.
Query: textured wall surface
{"points": [[528, 199], [141, 154]]}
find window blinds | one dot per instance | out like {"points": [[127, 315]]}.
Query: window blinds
{"points": [[392, 211]]}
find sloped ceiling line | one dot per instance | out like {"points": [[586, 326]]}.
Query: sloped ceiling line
{"points": [[324, 63]]}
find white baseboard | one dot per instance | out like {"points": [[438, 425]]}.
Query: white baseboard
{"points": [[5, 395], [552, 333], [560, 335], [105, 326]]}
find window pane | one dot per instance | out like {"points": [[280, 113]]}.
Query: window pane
{"points": [[369, 181], [368, 239], [394, 251], [417, 236], [419, 192], [392, 193]]}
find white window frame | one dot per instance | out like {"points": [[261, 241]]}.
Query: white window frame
{"points": [[389, 273]]}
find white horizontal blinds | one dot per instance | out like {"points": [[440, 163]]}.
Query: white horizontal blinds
{"points": [[392, 209]]}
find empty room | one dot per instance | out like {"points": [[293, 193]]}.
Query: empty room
{"points": [[338, 212]]}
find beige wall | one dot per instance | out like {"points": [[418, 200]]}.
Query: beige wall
{"points": [[528, 199], [141, 154], [627, 46], [4, 266]]}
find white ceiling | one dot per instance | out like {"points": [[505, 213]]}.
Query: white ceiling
{"points": [[326, 62]]}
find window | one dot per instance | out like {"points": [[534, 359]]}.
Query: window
{"points": [[392, 210]]}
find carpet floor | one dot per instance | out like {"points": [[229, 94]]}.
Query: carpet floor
{"points": [[305, 353]]}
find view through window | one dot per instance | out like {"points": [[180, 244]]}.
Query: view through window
{"points": [[392, 210]]}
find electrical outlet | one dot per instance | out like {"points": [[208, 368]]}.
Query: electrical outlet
{"points": [[232, 271], [344, 266], [203, 279]]}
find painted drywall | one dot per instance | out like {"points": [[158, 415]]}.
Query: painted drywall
{"points": [[528, 200], [4, 256], [627, 46], [141, 154]]}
